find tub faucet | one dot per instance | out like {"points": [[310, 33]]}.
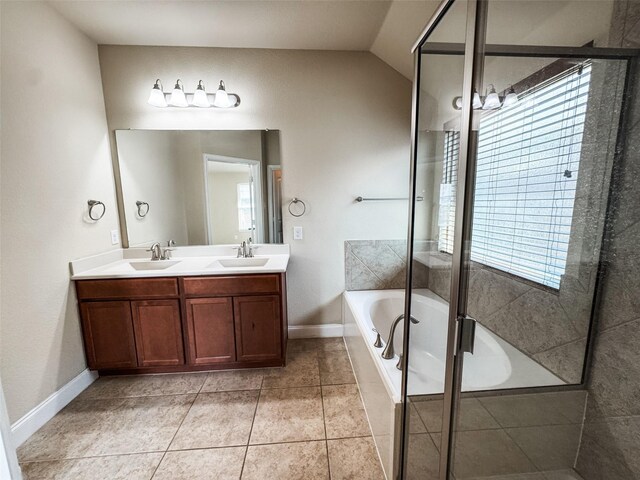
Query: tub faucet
{"points": [[388, 351]]}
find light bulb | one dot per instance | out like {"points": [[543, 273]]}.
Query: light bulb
{"points": [[156, 97], [178, 98], [222, 99], [477, 101], [492, 101], [200, 97], [511, 98]]}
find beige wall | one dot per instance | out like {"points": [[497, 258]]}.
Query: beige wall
{"points": [[344, 122], [55, 156], [150, 171]]}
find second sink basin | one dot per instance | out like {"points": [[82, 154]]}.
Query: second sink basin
{"points": [[241, 262], [153, 265]]}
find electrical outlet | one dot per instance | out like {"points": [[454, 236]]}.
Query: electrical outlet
{"points": [[115, 237], [297, 233]]}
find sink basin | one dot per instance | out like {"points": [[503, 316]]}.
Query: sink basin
{"points": [[155, 265], [240, 262]]}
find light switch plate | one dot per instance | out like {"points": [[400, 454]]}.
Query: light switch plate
{"points": [[297, 233], [115, 237]]}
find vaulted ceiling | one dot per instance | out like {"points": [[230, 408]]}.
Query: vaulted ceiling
{"points": [[386, 28]]}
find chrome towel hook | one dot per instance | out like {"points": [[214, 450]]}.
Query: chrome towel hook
{"points": [[143, 208], [296, 201], [92, 205]]}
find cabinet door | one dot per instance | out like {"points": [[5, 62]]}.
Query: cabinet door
{"points": [[258, 327], [108, 334], [158, 332], [210, 330]]}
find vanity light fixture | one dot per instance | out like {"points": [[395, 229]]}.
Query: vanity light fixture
{"points": [[492, 101], [222, 98], [178, 98], [156, 98], [199, 99]]}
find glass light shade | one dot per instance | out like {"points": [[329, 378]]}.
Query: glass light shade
{"points": [[492, 101], [156, 97], [200, 97], [178, 98], [222, 99], [511, 98], [477, 101]]}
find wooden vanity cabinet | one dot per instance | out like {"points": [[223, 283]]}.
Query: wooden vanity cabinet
{"points": [[158, 332], [258, 329], [148, 325], [108, 334], [210, 330]]}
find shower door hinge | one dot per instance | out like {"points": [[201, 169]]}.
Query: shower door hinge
{"points": [[467, 329]]}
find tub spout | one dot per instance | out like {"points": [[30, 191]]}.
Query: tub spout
{"points": [[399, 364], [388, 351]]}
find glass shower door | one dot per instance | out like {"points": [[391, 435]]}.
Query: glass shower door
{"points": [[440, 76], [516, 138], [541, 153]]}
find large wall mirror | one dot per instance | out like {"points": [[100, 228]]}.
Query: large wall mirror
{"points": [[199, 187]]}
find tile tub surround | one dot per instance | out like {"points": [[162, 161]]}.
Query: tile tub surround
{"points": [[549, 327], [379, 265], [299, 422]]}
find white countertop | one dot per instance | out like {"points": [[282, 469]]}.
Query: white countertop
{"points": [[185, 261]]}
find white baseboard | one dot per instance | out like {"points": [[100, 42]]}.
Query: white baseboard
{"points": [[45, 411], [316, 331]]}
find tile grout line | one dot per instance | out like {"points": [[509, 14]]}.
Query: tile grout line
{"points": [[324, 424], [253, 420], [176, 433]]}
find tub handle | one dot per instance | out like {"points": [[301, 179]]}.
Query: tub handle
{"points": [[378, 342], [399, 364]]}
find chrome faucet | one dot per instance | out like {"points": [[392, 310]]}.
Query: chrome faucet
{"points": [[388, 351], [166, 253], [245, 250], [156, 251]]}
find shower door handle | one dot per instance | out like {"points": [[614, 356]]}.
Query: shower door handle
{"points": [[467, 328]]}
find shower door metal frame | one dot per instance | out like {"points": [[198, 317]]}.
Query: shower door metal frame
{"points": [[474, 50]]}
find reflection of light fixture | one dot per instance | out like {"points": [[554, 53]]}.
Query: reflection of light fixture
{"points": [[156, 97], [477, 101], [492, 101], [511, 98], [200, 99], [178, 98]]}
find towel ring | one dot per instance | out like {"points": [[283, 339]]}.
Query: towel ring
{"points": [[293, 201], [95, 203], [141, 208]]}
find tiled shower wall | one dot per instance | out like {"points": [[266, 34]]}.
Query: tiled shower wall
{"points": [[611, 435]]}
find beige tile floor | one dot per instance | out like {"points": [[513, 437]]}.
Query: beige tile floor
{"points": [[304, 421]]}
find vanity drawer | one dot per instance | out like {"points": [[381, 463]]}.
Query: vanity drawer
{"points": [[129, 289], [230, 286]]}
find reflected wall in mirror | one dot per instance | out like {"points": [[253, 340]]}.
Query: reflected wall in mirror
{"points": [[201, 187]]}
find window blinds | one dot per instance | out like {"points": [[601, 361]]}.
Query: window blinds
{"points": [[527, 168]]}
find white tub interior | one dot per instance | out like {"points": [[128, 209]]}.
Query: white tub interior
{"points": [[495, 364]]}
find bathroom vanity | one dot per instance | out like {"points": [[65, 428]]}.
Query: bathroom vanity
{"points": [[187, 314]]}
